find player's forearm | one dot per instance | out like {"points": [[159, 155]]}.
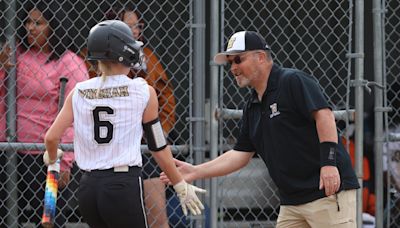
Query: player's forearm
{"points": [[165, 161], [226, 163], [51, 146]]}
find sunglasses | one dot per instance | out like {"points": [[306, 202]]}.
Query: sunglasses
{"points": [[238, 59]]}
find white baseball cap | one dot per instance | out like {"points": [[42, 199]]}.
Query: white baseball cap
{"points": [[240, 42]]}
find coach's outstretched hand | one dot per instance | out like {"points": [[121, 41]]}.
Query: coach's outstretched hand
{"points": [[46, 158], [188, 197], [186, 169]]}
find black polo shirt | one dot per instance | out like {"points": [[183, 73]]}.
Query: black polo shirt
{"points": [[282, 131]]}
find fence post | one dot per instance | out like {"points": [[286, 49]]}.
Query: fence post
{"points": [[359, 102], [214, 48], [11, 203], [378, 141], [198, 78]]}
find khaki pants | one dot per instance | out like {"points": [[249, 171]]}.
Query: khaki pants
{"points": [[321, 213]]}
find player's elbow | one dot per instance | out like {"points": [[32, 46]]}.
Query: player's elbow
{"points": [[50, 139]]}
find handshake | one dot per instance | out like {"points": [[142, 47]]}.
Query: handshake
{"points": [[46, 158], [186, 192]]}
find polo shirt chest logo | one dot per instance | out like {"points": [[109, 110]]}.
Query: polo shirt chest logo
{"points": [[274, 110]]}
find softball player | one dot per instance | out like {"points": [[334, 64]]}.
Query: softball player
{"points": [[109, 115]]}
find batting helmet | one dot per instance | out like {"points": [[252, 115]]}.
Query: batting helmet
{"points": [[113, 40]]}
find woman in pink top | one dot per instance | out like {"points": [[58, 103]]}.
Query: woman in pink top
{"points": [[42, 59]]}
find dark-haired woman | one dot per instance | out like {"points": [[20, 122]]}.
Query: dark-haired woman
{"points": [[42, 58]]}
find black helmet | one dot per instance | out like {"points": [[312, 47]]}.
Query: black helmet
{"points": [[113, 40]]}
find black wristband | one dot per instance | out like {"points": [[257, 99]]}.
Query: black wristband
{"points": [[327, 152]]}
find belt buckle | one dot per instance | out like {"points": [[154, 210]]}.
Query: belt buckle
{"points": [[121, 169]]}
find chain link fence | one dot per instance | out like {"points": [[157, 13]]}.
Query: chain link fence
{"points": [[391, 31], [315, 36]]}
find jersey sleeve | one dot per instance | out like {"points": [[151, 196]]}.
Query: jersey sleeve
{"points": [[306, 94], [243, 142]]}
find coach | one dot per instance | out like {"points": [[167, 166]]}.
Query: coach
{"points": [[288, 122]]}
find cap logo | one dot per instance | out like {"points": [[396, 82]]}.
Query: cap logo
{"points": [[230, 43]]}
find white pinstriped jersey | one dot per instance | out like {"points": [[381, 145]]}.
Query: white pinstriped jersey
{"points": [[108, 125]]}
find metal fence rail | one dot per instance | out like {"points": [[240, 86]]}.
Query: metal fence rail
{"points": [[237, 114], [16, 146]]}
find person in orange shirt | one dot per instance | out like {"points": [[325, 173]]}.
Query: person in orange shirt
{"points": [[368, 195], [153, 72]]}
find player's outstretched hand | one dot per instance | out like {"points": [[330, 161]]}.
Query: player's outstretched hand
{"points": [[186, 169], [46, 158], [188, 197]]}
